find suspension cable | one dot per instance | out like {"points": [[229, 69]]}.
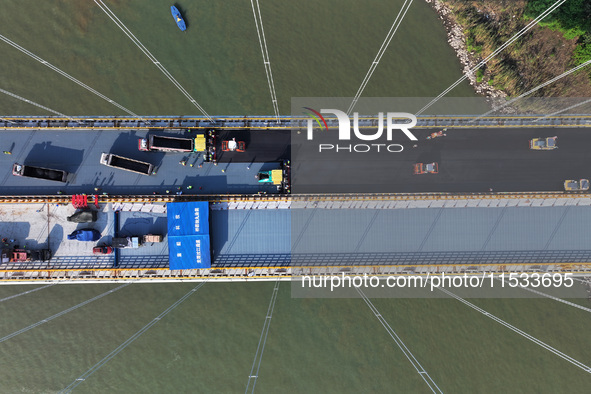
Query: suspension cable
{"points": [[262, 341], [415, 363], [495, 53], [550, 296], [564, 74], [63, 73], [128, 342], [153, 59], [258, 20], [26, 292], [562, 110], [22, 330], [16, 96], [381, 52], [520, 332]]}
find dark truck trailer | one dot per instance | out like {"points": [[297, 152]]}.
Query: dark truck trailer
{"points": [[39, 172], [174, 144], [124, 163]]}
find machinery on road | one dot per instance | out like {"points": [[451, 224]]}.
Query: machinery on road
{"points": [[430, 168], [543, 143], [233, 146], [440, 133], [580, 185], [39, 172], [124, 163], [279, 177]]}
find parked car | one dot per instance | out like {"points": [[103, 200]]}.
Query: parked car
{"points": [[102, 249]]}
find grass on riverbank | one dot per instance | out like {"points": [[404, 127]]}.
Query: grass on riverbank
{"points": [[540, 55]]}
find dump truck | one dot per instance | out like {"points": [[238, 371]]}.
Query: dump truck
{"points": [[39, 172], [124, 163], [172, 144], [17, 255]]}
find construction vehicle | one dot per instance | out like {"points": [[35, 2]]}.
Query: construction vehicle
{"points": [[574, 185], [39, 172], [273, 176], [279, 177], [429, 168], [127, 164], [548, 143], [17, 255], [438, 134], [172, 144], [233, 146]]}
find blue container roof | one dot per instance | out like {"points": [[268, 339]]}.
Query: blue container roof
{"points": [[188, 235], [188, 218], [189, 252]]}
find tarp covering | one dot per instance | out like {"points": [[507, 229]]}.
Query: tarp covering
{"points": [[84, 216], [188, 235], [85, 235]]}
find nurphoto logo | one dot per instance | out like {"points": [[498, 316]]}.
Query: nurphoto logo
{"points": [[344, 123]]}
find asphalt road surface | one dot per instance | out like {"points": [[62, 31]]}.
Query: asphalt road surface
{"points": [[470, 160], [262, 146]]}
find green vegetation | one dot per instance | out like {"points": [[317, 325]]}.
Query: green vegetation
{"points": [[583, 51], [558, 44], [572, 19], [471, 44], [479, 75]]}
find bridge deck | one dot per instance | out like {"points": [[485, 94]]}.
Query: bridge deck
{"points": [[470, 160], [78, 152], [275, 236]]}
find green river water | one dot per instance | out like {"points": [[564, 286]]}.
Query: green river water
{"points": [[208, 343]]}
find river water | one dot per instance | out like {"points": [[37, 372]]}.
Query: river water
{"points": [[208, 343], [317, 49]]}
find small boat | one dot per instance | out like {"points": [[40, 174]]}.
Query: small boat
{"points": [[178, 18]]}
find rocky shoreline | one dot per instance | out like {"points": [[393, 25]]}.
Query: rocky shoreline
{"points": [[457, 40]]}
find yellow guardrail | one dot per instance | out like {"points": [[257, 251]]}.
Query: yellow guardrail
{"points": [[259, 273], [231, 198]]}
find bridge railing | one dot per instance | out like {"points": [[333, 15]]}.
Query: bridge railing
{"points": [[285, 122]]}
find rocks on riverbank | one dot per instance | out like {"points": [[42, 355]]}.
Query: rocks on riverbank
{"points": [[457, 40]]}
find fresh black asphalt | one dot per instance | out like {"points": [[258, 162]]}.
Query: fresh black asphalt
{"points": [[470, 160]]}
